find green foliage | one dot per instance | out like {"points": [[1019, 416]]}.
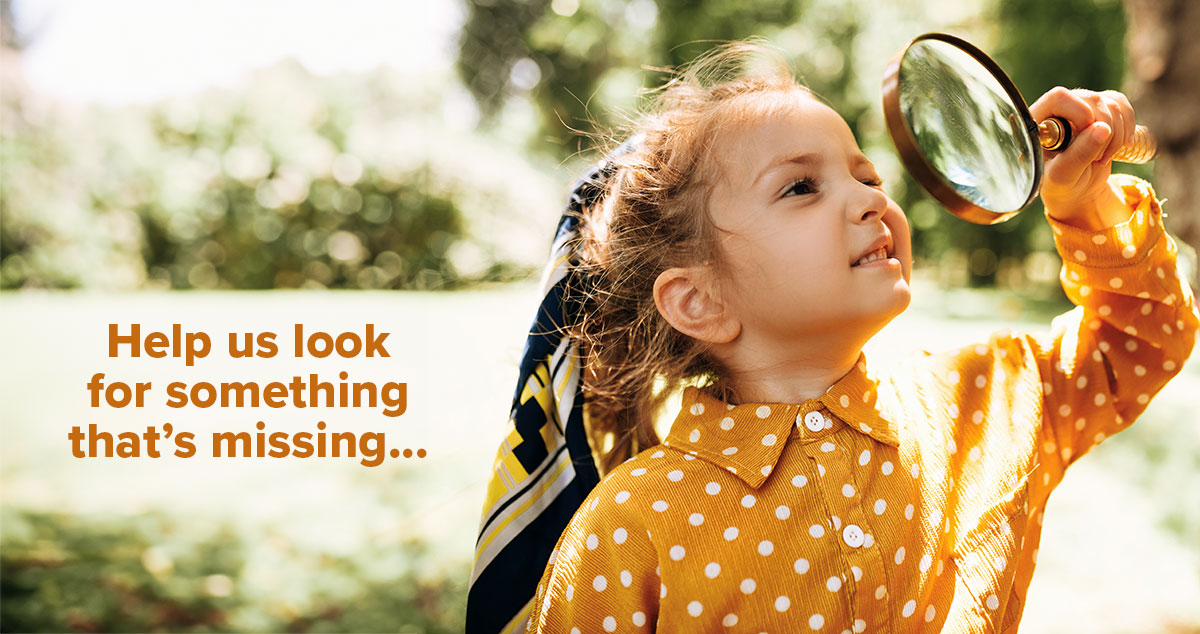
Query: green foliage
{"points": [[292, 182], [155, 573], [580, 62]]}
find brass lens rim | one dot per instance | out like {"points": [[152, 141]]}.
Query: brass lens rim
{"points": [[914, 160]]}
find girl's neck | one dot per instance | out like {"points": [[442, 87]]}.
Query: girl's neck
{"points": [[793, 375]]}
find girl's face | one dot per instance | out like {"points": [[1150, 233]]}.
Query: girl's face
{"points": [[800, 214]]}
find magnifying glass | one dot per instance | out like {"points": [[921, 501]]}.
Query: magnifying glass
{"points": [[964, 131]]}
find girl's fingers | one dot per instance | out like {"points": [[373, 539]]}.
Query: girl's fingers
{"points": [[1125, 123], [1060, 102], [1117, 141]]}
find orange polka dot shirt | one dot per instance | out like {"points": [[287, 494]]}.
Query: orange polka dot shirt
{"points": [[902, 501]]}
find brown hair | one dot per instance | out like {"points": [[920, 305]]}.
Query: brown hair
{"points": [[654, 216]]}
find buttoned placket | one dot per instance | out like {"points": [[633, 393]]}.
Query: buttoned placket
{"points": [[850, 525]]}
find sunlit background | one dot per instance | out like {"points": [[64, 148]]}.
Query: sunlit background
{"points": [[270, 155]]}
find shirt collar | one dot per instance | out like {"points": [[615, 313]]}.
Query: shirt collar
{"points": [[747, 439]]}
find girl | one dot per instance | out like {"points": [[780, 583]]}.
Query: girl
{"points": [[745, 250]]}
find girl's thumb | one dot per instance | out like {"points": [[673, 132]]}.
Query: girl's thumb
{"points": [[1087, 148]]}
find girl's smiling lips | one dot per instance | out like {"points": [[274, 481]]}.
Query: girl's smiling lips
{"points": [[881, 248]]}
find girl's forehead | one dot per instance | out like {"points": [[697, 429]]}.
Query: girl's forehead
{"points": [[778, 126]]}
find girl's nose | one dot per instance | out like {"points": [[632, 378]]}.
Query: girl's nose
{"points": [[871, 206]]}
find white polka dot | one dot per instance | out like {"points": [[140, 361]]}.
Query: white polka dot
{"points": [[1099, 239], [857, 572], [880, 592], [659, 506], [821, 470], [886, 467], [622, 497], [828, 447], [593, 542], [727, 423], [848, 490], [816, 621], [799, 481], [974, 454], [833, 583], [801, 566], [993, 602], [638, 472], [1116, 282], [899, 556], [677, 552], [1085, 291], [783, 512], [694, 608], [570, 592], [980, 381], [599, 583], [626, 578], [712, 488], [951, 446], [908, 512], [816, 530], [915, 471], [769, 440], [575, 630], [662, 592], [880, 507], [860, 626], [695, 519], [1143, 399], [766, 470], [864, 457], [731, 533], [748, 586], [658, 454], [930, 612], [953, 377], [765, 547], [763, 411], [748, 500], [909, 608], [782, 603], [610, 624], [697, 409], [730, 620], [639, 618], [1080, 255], [675, 476], [1139, 370], [1169, 366], [712, 570]]}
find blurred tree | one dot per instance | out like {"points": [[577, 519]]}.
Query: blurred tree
{"points": [[578, 62], [1165, 86], [292, 182]]}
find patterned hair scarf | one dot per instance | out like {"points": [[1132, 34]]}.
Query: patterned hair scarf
{"points": [[544, 468]]}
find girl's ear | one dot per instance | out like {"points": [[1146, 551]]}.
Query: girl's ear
{"points": [[689, 300]]}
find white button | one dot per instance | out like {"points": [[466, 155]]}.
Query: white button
{"points": [[853, 536], [814, 421]]}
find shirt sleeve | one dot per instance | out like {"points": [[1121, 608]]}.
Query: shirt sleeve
{"points": [[603, 575], [1133, 326]]}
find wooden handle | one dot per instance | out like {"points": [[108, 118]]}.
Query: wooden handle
{"points": [[1055, 134]]}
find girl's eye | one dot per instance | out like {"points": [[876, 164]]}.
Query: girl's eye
{"points": [[872, 182], [802, 186]]}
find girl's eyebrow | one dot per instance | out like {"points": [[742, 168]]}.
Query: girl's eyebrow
{"points": [[808, 158]]}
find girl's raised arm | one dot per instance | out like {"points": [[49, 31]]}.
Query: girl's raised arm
{"points": [[1136, 319]]}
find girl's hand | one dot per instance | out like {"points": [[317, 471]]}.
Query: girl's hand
{"points": [[1075, 182]]}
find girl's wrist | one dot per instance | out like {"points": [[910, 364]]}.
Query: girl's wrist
{"points": [[1097, 214]]}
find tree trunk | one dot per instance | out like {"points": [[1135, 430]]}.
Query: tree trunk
{"points": [[1164, 60]]}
